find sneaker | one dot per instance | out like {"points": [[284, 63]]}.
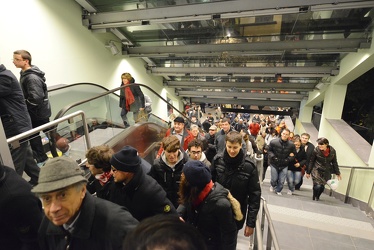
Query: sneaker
{"points": [[290, 192], [271, 189], [279, 193]]}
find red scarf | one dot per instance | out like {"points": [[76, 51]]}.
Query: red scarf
{"points": [[104, 177], [326, 152], [203, 194], [130, 99]]}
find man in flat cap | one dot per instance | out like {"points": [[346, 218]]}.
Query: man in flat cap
{"points": [[73, 218], [184, 135], [139, 192]]}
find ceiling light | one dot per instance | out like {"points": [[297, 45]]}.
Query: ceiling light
{"points": [[113, 48]]}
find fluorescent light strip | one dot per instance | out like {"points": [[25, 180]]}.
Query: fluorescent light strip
{"points": [[340, 6]]}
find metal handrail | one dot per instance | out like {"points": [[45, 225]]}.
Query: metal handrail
{"points": [[15, 140], [70, 106], [260, 225], [350, 179]]}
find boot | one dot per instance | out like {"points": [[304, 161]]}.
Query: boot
{"points": [[314, 192], [126, 124], [320, 191]]}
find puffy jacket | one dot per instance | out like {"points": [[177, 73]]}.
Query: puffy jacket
{"points": [[13, 110], [243, 183], [214, 219], [167, 177], [142, 196], [279, 153], [36, 95]]}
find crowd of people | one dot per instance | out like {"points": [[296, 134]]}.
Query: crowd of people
{"points": [[204, 182]]}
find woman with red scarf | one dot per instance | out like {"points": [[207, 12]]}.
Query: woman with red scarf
{"points": [[101, 172], [322, 164], [208, 206], [131, 99]]}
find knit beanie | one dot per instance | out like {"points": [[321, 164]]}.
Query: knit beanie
{"points": [[126, 160], [197, 173]]}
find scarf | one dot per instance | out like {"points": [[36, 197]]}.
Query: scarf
{"points": [[326, 152], [233, 161], [104, 177], [203, 194], [130, 99]]}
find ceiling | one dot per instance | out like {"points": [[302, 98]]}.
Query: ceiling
{"points": [[264, 53]]}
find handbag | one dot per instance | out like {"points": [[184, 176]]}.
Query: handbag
{"points": [[142, 116]]}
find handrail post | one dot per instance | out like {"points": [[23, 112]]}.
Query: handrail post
{"points": [[371, 197], [346, 198]]}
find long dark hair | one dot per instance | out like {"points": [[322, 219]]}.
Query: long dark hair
{"points": [[322, 141], [187, 193]]}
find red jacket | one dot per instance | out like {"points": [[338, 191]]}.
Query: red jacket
{"points": [[254, 128], [187, 138]]}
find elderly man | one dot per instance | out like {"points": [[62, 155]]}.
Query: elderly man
{"points": [[184, 135], [139, 192], [73, 218]]}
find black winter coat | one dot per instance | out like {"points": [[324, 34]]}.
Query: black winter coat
{"points": [[321, 167], [214, 219], [279, 153], [300, 157], [167, 178], [101, 225], [20, 212], [242, 181], [13, 110], [142, 196], [94, 186], [36, 95]]}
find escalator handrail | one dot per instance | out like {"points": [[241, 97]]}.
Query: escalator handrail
{"points": [[64, 86], [63, 111]]}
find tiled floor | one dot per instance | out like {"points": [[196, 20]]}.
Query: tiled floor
{"points": [[301, 223]]}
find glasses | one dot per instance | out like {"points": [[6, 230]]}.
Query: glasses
{"points": [[195, 152], [17, 59]]}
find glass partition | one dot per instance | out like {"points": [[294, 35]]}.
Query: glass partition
{"points": [[104, 121]]}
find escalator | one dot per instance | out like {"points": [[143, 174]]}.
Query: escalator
{"points": [[103, 121]]}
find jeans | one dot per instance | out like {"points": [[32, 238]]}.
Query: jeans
{"points": [[24, 161], [124, 116], [278, 176], [293, 178]]}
